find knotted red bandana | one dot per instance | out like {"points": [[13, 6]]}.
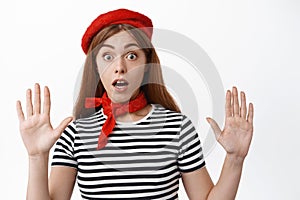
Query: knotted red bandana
{"points": [[112, 111]]}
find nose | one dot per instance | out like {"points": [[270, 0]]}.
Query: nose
{"points": [[120, 66]]}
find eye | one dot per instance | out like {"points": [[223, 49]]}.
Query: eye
{"points": [[131, 56], [107, 57]]}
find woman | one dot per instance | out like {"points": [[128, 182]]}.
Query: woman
{"points": [[129, 139]]}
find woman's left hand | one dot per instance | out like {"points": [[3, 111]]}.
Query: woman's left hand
{"points": [[237, 133]]}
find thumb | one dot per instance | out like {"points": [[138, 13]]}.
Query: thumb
{"points": [[62, 126], [214, 126]]}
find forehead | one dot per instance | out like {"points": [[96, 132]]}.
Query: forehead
{"points": [[120, 39]]}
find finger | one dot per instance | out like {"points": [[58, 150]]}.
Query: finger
{"points": [[47, 101], [20, 111], [243, 105], [236, 108], [215, 127], [250, 113], [62, 126], [37, 99], [228, 108], [29, 108], [231, 103]]}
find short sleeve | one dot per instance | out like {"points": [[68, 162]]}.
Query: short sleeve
{"points": [[63, 154], [190, 156]]}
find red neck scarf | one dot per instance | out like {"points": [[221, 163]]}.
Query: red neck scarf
{"points": [[112, 111]]}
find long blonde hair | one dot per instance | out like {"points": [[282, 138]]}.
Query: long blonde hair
{"points": [[153, 87]]}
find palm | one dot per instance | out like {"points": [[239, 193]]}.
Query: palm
{"points": [[36, 131], [236, 136], [238, 130]]}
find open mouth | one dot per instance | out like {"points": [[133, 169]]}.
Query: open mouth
{"points": [[120, 83]]}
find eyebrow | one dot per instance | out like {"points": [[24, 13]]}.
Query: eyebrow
{"points": [[131, 45], [125, 47], [107, 45]]}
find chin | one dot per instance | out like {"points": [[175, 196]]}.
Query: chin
{"points": [[120, 97]]}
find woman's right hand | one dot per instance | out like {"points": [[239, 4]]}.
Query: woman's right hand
{"points": [[36, 129]]}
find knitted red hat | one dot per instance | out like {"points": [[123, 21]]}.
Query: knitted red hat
{"points": [[119, 16]]}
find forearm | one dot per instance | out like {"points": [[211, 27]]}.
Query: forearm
{"points": [[227, 185], [38, 178]]}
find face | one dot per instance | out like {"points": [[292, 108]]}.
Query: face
{"points": [[121, 66]]}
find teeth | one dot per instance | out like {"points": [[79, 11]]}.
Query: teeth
{"points": [[121, 83]]}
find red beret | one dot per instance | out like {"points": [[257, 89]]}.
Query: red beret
{"points": [[119, 16]]}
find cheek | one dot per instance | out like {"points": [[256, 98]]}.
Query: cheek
{"points": [[105, 69], [137, 74], [102, 69], [105, 81]]}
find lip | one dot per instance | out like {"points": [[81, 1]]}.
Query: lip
{"points": [[120, 88]]}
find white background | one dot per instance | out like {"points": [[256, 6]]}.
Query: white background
{"points": [[254, 45]]}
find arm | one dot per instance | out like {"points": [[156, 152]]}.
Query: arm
{"points": [[38, 137], [235, 139], [61, 181], [229, 180], [38, 177], [60, 184], [199, 186]]}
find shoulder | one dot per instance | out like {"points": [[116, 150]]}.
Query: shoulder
{"points": [[186, 125], [94, 117], [162, 113], [94, 120], [159, 109]]}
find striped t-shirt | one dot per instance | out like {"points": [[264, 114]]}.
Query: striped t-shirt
{"points": [[142, 160]]}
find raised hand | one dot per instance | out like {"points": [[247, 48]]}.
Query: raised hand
{"points": [[36, 129], [237, 134]]}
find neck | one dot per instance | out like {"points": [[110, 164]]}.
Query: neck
{"points": [[135, 116]]}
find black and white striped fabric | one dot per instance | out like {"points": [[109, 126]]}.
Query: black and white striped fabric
{"points": [[142, 160]]}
